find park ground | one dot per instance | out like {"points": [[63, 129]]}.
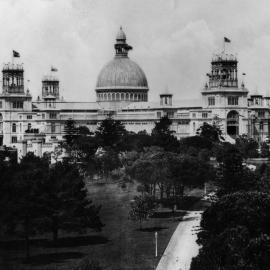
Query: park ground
{"points": [[120, 245]]}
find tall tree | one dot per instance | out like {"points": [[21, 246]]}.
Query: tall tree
{"points": [[265, 152], [71, 132], [111, 133], [162, 135], [248, 147], [142, 207], [66, 201], [22, 208], [231, 168], [235, 233], [211, 132]]}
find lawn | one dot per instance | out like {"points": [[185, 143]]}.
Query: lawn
{"points": [[120, 245]]}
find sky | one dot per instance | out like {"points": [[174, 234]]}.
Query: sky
{"points": [[173, 41]]}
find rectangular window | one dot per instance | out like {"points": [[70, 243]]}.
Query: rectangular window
{"points": [[43, 116], [13, 127], [29, 116], [53, 127], [0, 104], [204, 115], [261, 125], [232, 100], [194, 115], [261, 114], [52, 115], [211, 101], [17, 105], [158, 114], [13, 139]]}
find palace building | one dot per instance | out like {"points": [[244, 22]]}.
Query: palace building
{"points": [[122, 93]]}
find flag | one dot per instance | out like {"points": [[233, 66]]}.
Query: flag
{"points": [[16, 54], [227, 40], [54, 69]]}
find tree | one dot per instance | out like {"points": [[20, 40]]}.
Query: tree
{"points": [[162, 127], [235, 233], [83, 150], [137, 141], [66, 203], [142, 207], [248, 209], [265, 152], [231, 167], [106, 161], [21, 206], [71, 132], [210, 132], [248, 147], [111, 133], [162, 135], [195, 142], [169, 173]]}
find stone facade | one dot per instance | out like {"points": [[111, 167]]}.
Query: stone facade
{"points": [[38, 126]]}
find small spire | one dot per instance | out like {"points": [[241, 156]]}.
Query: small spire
{"points": [[121, 47]]}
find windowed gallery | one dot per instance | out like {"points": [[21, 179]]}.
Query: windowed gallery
{"points": [[232, 100]]}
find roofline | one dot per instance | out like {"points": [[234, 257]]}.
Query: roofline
{"points": [[122, 88]]}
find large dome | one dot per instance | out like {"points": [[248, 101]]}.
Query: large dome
{"points": [[121, 73], [121, 80]]}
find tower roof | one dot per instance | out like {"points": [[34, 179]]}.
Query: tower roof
{"points": [[121, 34], [166, 92]]}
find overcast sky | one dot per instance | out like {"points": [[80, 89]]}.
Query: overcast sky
{"points": [[173, 41]]}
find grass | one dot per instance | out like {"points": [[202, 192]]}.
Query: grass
{"points": [[120, 246]]}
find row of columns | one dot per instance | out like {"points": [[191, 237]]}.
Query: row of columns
{"points": [[13, 80], [121, 96]]}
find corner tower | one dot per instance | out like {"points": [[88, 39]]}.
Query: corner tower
{"points": [[223, 96], [13, 79], [50, 87], [14, 103]]}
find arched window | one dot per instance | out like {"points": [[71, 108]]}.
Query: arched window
{"points": [[127, 96], [13, 127], [105, 96], [122, 96], [233, 124], [117, 96], [1, 117], [135, 97], [131, 96], [29, 126], [109, 97], [113, 96]]}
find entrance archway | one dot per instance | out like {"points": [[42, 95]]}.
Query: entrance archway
{"points": [[233, 124]]}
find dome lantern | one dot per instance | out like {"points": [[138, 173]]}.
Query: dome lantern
{"points": [[121, 47]]}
